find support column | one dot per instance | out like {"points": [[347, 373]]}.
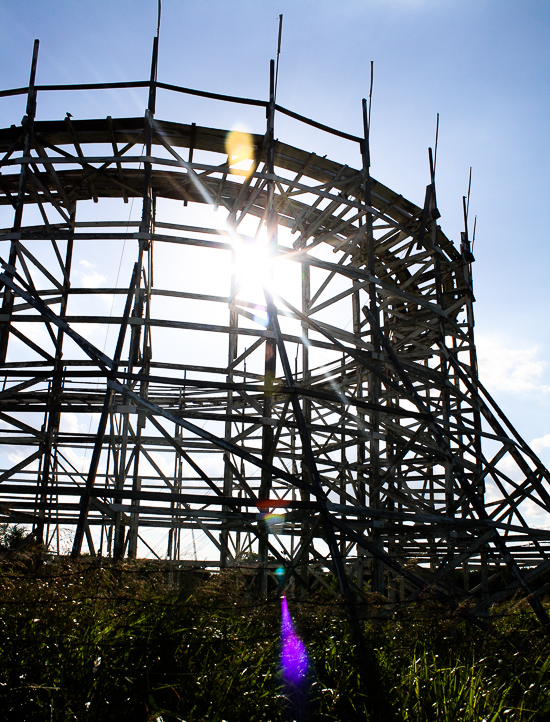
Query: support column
{"points": [[466, 251], [231, 357], [361, 481], [270, 364], [374, 380], [306, 405], [140, 345], [54, 401], [28, 125]]}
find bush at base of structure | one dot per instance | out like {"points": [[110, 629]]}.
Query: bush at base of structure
{"points": [[11, 535]]}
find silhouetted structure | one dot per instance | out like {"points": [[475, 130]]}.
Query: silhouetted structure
{"points": [[336, 424]]}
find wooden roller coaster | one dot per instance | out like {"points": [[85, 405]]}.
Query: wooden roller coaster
{"points": [[290, 383]]}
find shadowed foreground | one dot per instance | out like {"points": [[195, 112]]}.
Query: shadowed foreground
{"points": [[135, 642]]}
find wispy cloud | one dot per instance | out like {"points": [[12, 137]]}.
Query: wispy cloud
{"points": [[505, 368], [70, 423], [91, 278]]}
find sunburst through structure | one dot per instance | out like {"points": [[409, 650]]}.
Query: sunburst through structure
{"points": [[290, 381]]}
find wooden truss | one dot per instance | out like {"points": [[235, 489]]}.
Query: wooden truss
{"points": [[337, 425]]}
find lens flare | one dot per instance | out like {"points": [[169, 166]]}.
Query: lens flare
{"points": [[240, 150], [274, 523], [294, 660], [273, 520]]}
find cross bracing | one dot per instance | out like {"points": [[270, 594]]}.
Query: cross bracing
{"points": [[329, 418]]}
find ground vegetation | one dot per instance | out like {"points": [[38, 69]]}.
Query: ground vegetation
{"points": [[92, 641]]}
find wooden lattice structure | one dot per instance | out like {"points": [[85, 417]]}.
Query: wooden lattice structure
{"points": [[336, 424]]}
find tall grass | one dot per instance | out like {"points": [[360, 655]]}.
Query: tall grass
{"points": [[80, 642]]}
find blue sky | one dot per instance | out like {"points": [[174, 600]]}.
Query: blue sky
{"points": [[483, 65]]}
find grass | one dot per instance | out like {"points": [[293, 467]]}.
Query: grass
{"points": [[81, 642]]}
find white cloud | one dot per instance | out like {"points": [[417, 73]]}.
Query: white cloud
{"points": [[161, 460], [81, 462], [15, 457], [534, 515], [541, 443], [69, 423], [509, 467], [92, 332], [91, 279], [510, 369], [19, 455], [36, 332]]}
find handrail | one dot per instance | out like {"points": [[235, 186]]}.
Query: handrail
{"points": [[188, 91]]}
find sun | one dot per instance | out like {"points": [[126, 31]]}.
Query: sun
{"points": [[253, 266]]}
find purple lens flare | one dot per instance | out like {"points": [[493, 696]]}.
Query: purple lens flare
{"points": [[294, 660]]}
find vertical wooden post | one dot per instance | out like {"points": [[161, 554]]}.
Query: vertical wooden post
{"points": [[54, 413], [306, 405], [270, 363], [140, 344], [231, 356], [374, 380], [27, 123]]}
